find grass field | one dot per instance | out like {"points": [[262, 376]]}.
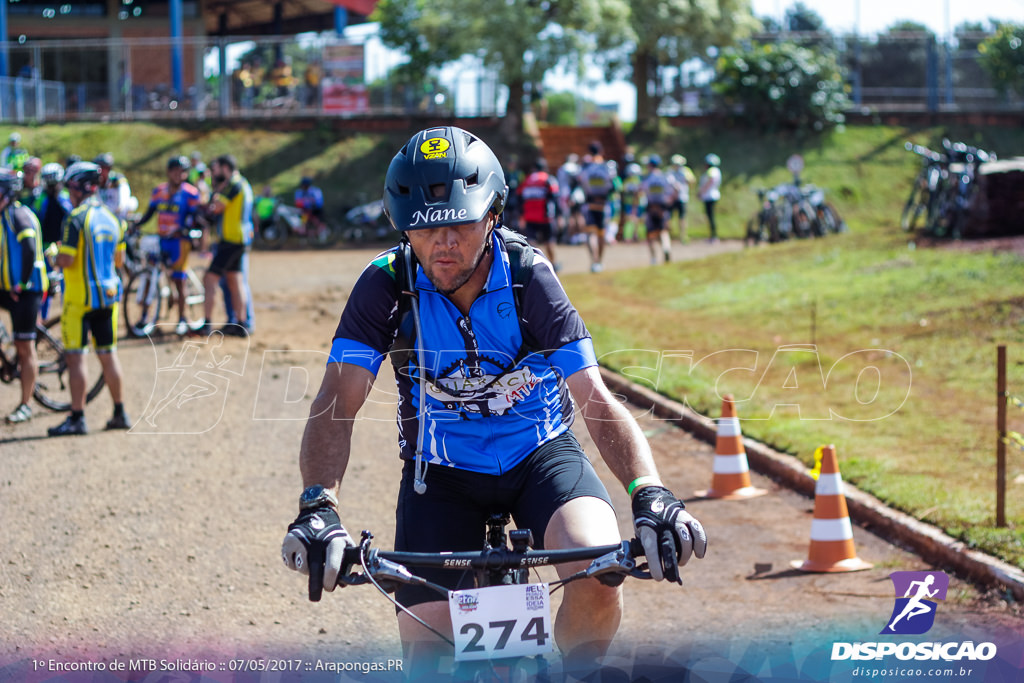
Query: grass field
{"points": [[863, 340], [885, 348]]}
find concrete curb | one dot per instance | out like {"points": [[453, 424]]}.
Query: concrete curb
{"points": [[927, 541]]}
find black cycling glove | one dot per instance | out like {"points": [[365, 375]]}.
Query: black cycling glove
{"points": [[668, 533], [315, 545]]}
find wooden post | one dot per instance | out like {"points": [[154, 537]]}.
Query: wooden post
{"points": [[1001, 436]]}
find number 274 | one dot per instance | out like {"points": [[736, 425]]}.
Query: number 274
{"points": [[534, 630]]}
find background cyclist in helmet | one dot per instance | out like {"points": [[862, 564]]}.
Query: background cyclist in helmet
{"points": [[22, 282], [491, 419], [91, 251], [175, 203], [114, 189]]}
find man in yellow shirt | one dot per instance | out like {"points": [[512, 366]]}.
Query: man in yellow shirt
{"points": [[91, 249], [232, 203]]}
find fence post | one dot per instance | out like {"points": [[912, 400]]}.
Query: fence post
{"points": [[1001, 436]]}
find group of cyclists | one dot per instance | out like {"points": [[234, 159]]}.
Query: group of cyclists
{"points": [[64, 233], [591, 200]]}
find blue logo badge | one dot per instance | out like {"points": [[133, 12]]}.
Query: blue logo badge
{"points": [[916, 595]]}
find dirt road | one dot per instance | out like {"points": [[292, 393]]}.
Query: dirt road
{"points": [[163, 543]]}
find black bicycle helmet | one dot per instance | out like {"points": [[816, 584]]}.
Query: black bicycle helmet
{"points": [[83, 176], [443, 176], [180, 161], [10, 183]]}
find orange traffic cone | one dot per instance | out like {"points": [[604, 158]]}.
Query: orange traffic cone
{"points": [[831, 532], [730, 479]]}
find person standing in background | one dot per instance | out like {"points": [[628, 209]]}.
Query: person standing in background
{"points": [[709, 191]]}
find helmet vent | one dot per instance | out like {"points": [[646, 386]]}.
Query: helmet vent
{"points": [[473, 180], [403, 190]]}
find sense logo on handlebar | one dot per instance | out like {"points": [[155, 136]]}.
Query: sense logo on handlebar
{"points": [[501, 621]]}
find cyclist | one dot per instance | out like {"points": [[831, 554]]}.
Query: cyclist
{"points": [[658, 189], [598, 185], [310, 199], [710, 191], [493, 420], [53, 204], [23, 282], [538, 197], [232, 203], [90, 252], [30, 188], [13, 156], [114, 189], [570, 197], [175, 203], [684, 178]]}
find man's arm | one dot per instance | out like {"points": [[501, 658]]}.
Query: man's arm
{"points": [[619, 439], [668, 533], [324, 454]]}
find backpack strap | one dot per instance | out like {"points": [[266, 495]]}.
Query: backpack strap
{"points": [[520, 259]]}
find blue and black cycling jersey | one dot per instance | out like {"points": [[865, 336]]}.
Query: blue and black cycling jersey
{"points": [[488, 406]]}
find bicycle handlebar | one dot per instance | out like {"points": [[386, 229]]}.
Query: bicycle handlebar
{"points": [[394, 565]]}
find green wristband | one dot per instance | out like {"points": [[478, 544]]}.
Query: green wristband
{"points": [[640, 481]]}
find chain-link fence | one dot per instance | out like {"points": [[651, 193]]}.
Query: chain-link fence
{"points": [[326, 76]]}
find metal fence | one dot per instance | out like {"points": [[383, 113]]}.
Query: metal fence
{"points": [[323, 75]]}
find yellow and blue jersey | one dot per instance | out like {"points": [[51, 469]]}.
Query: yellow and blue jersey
{"points": [[93, 236], [21, 250]]}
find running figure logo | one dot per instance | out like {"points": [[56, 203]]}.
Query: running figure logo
{"points": [[916, 593]]}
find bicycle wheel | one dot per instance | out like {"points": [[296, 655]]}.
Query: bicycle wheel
{"points": [[53, 385], [324, 235], [273, 235], [144, 301], [914, 208], [195, 295]]}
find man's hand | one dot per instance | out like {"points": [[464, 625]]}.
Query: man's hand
{"points": [[668, 533], [315, 545]]}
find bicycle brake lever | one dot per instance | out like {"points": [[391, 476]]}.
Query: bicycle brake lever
{"points": [[315, 557], [619, 561]]}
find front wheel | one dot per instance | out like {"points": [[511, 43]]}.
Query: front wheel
{"points": [[145, 298], [53, 385]]}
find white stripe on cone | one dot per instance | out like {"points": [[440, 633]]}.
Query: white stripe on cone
{"points": [[831, 529]]}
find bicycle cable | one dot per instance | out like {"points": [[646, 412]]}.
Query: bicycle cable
{"points": [[400, 606]]}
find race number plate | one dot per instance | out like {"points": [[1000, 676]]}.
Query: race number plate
{"points": [[501, 621]]}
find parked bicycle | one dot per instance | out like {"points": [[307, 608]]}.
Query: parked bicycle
{"points": [[924, 191], [793, 210], [944, 190], [956, 198], [491, 649], [53, 386], [291, 221], [151, 298]]}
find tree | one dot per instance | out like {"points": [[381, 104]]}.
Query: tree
{"points": [[670, 32], [783, 86], [799, 17], [520, 39], [1002, 57]]}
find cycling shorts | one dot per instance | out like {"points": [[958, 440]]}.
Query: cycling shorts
{"points": [[656, 215], [678, 206], [595, 218], [451, 514], [24, 312], [174, 253], [78, 322], [227, 258]]}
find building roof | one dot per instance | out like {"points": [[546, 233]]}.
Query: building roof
{"points": [[256, 17]]}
